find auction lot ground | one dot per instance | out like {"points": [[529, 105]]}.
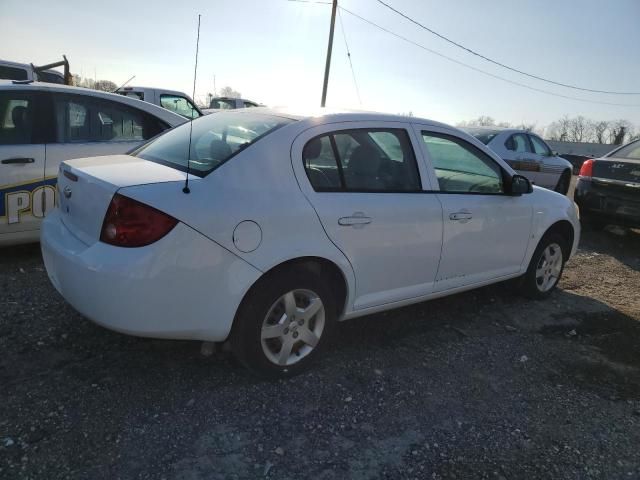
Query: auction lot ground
{"points": [[479, 385]]}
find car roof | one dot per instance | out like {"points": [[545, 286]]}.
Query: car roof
{"points": [[496, 130], [171, 118], [128, 88], [329, 115]]}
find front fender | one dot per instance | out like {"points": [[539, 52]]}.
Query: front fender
{"points": [[550, 208]]}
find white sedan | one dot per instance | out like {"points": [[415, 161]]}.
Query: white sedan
{"points": [[290, 223], [42, 124], [529, 155]]}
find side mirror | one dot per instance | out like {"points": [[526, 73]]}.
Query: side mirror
{"points": [[520, 185], [553, 153]]}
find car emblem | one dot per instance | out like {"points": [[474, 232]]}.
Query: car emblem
{"points": [[67, 192]]}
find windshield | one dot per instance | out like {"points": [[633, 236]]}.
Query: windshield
{"points": [[215, 139], [631, 151], [485, 136]]}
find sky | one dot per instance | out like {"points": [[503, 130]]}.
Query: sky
{"points": [[273, 52]]}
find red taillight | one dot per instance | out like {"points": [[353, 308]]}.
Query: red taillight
{"points": [[129, 223], [586, 170]]}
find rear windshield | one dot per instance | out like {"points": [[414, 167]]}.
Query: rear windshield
{"points": [[629, 151], [215, 139], [485, 136]]}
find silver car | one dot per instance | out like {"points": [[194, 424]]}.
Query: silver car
{"points": [[528, 155]]}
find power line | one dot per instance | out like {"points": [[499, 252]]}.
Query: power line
{"points": [[513, 82], [353, 73], [495, 62]]}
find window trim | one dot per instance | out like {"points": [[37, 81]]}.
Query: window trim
{"points": [[506, 178], [338, 160]]}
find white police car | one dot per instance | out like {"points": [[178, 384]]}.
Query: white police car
{"points": [[43, 124], [528, 155]]}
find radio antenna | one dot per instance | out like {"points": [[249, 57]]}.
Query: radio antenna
{"points": [[195, 71]]}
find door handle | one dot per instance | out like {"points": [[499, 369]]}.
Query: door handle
{"points": [[462, 217], [357, 220], [17, 161]]}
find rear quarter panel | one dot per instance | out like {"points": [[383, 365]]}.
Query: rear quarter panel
{"points": [[257, 185]]}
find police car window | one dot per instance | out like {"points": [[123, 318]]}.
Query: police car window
{"points": [[16, 117], [85, 119]]}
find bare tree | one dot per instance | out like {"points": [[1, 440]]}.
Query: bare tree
{"points": [[229, 92], [105, 85], [620, 130], [579, 129], [559, 130], [600, 131]]}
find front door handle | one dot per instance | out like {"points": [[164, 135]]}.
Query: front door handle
{"points": [[356, 220], [17, 161], [461, 217]]}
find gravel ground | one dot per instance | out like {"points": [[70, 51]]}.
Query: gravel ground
{"points": [[483, 384]]}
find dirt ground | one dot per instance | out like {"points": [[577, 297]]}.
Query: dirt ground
{"points": [[483, 384]]}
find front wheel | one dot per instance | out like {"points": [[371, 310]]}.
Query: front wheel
{"points": [[283, 323], [545, 268]]}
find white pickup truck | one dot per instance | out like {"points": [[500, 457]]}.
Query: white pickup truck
{"points": [[172, 100]]}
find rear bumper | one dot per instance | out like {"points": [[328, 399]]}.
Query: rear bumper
{"points": [[184, 286], [603, 204]]}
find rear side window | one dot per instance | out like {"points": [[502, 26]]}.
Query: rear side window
{"points": [[12, 73], [88, 119], [362, 160], [460, 167], [16, 118], [518, 143]]}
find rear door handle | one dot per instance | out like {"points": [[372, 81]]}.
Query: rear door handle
{"points": [[357, 220], [461, 216], [17, 161]]}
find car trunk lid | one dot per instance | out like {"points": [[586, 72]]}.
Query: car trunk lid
{"points": [[87, 185]]}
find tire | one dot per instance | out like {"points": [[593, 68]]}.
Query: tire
{"points": [[563, 183], [268, 311], [536, 286]]}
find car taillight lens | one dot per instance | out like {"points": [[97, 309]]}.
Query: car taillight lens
{"points": [[586, 170], [129, 223]]}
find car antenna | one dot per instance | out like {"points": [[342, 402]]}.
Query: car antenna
{"points": [[121, 86], [195, 71]]}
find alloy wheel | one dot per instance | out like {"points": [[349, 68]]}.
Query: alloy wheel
{"points": [[292, 327], [549, 267]]}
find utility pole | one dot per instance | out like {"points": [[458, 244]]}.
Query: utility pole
{"points": [[327, 65]]}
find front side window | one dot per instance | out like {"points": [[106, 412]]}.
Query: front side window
{"points": [[362, 160], [82, 119], [214, 140], [460, 167], [16, 118], [179, 105], [539, 146], [518, 143]]}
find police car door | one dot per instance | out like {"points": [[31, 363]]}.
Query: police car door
{"points": [[22, 161]]}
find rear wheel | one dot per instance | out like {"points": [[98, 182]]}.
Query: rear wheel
{"points": [[563, 183], [545, 268], [283, 323]]}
